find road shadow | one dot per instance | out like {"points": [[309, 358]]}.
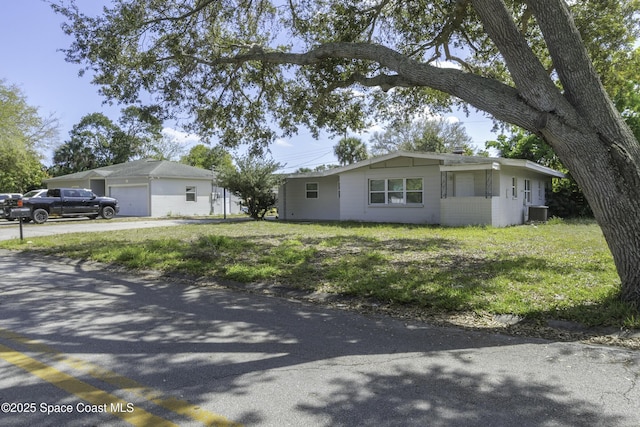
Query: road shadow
{"points": [[216, 345]]}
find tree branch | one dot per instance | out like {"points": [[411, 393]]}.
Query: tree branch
{"points": [[502, 101], [579, 79], [200, 5], [386, 82], [525, 68]]}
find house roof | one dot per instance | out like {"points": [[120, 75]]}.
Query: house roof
{"points": [[445, 159], [140, 168]]}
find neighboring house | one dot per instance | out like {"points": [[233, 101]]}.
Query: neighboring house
{"points": [[421, 188], [154, 188]]}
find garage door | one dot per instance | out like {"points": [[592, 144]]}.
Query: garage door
{"points": [[133, 201]]}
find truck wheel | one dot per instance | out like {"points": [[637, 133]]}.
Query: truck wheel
{"points": [[40, 216], [107, 212]]}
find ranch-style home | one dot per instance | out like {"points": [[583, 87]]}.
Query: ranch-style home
{"points": [[154, 188], [421, 188]]}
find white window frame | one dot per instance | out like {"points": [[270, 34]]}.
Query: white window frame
{"points": [[527, 191], [541, 191], [191, 191], [387, 193], [514, 187], [308, 192]]}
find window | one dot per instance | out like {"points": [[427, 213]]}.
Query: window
{"points": [[311, 190], [71, 193], [395, 191], [527, 191], [414, 190], [540, 190], [514, 188], [377, 191], [191, 194]]}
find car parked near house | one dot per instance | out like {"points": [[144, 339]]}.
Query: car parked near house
{"points": [[64, 202], [6, 196], [35, 193]]}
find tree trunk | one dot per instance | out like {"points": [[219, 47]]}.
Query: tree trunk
{"points": [[580, 123], [610, 183]]}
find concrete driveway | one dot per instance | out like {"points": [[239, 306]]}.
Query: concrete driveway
{"points": [[11, 229]]}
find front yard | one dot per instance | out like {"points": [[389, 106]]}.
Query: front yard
{"points": [[552, 271]]}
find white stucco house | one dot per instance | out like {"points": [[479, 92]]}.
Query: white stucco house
{"points": [[154, 188], [420, 188]]}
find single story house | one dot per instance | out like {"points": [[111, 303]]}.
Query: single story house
{"points": [[154, 188], [420, 188]]}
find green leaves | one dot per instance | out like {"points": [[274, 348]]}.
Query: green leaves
{"points": [[96, 141], [350, 150], [207, 58], [22, 133], [427, 135], [254, 181]]}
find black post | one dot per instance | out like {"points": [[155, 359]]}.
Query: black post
{"points": [[21, 235]]}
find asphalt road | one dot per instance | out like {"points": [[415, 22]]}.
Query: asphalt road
{"points": [[84, 346]]}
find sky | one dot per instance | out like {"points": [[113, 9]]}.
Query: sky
{"points": [[30, 40]]}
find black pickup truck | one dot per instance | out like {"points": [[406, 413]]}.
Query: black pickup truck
{"points": [[65, 202]]}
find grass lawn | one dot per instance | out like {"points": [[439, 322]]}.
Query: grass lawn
{"points": [[560, 270]]}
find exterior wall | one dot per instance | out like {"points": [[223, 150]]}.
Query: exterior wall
{"points": [[476, 183], [98, 186], [500, 210], [161, 197], [354, 199], [123, 182], [168, 197], [512, 210], [294, 205], [76, 183], [229, 203], [465, 200], [459, 211]]}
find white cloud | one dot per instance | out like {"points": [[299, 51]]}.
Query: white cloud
{"points": [[376, 127], [280, 142], [427, 114], [181, 137], [447, 64]]}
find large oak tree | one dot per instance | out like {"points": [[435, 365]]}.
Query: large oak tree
{"points": [[239, 66]]}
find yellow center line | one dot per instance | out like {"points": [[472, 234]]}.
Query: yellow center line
{"points": [[87, 392], [177, 406]]}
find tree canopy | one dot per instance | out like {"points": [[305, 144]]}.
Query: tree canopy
{"points": [[201, 156], [430, 135], [245, 68], [229, 63], [23, 134], [96, 141], [253, 179], [350, 150]]}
